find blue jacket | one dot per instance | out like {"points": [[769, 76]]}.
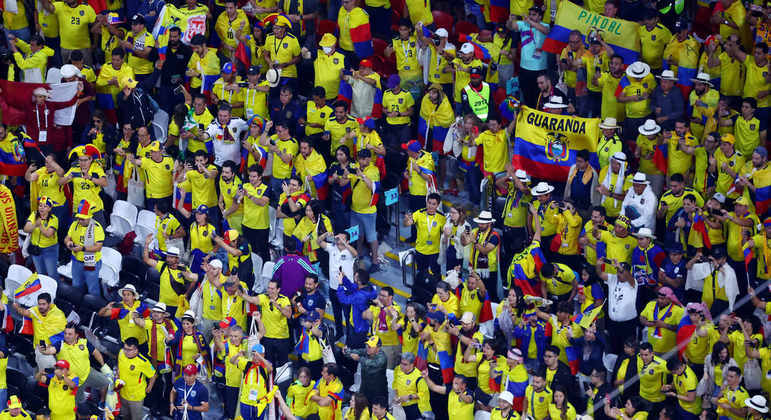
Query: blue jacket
{"points": [[595, 356], [524, 333], [350, 294]]}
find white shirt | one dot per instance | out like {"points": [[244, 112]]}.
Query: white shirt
{"points": [[622, 299], [338, 259], [230, 149], [645, 204]]}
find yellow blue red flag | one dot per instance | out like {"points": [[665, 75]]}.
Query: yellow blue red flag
{"points": [[620, 34], [546, 144]]}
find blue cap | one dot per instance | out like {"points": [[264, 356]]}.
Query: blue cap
{"points": [[312, 316], [203, 208], [258, 348], [437, 316], [227, 68]]}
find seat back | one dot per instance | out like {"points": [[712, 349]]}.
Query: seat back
{"points": [[113, 258], [125, 210], [145, 225], [443, 20], [17, 275]]}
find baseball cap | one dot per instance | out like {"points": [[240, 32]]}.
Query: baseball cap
{"points": [[227, 68], [258, 348], [129, 82], [62, 364], [412, 146], [216, 264], [203, 208], [253, 70], [230, 236], [441, 33], [366, 63], [137, 18], [373, 341], [467, 48], [475, 72], [190, 369], [467, 318], [227, 322], [742, 201]]}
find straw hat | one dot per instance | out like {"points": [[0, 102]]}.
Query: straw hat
{"points": [[609, 123]]}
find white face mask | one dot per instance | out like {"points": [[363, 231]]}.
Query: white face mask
{"points": [[327, 50]]}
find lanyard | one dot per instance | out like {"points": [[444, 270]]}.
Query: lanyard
{"points": [[405, 48], [254, 96], [429, 223], [45, 117], [276, 47], [230, 93]]}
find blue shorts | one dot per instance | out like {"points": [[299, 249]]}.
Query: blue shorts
{"points": [[366, 224], [249, 412]]}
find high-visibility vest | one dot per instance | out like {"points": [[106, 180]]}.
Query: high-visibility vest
{"points": [[479, 101]]}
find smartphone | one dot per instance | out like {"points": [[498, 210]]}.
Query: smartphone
{"points": [[178, 90]]}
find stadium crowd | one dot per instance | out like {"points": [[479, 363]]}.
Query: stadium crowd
{"points": [[239, 159]]}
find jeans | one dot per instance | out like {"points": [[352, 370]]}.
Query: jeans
{"points": [[24, 34], [46, 262], [3, 398], [473, 179], [341, 215], [89, 278]]}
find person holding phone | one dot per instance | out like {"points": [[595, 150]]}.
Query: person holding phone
{"points": [[42, 227]]}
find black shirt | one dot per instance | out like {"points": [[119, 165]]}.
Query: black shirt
{"points": [[173, 72]]}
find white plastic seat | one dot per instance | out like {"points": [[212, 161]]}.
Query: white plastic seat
{"points": [[144, 226], [54, 75], [122, 219], [159, 123], [267, 274], [257, 271], [111, 264], [18, 274], [482, 415], [65, 270]]}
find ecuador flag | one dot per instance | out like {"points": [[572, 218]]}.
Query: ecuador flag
{"points": [[546, 144], [620, 34]]}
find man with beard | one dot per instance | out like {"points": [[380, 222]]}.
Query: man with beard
{"points": [[608, 82], [468, 335], [546, 91], [680, 148], [703, 103], [703, 178], [309, 164], [173, 68], [756, 175], [230, 202], [727, 162], [667, 102], [227, 88], [224, 136], [747, 128], [640, 203]]}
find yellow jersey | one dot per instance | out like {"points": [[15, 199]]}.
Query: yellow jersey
{"points": [[134, 372], [327, 69], [139, 42], [283, 50], [73, 24]]}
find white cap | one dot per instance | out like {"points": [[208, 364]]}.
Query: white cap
{"points": [[68, 70], [216, 264], [467, 48], [173, 251], [506, 396], [442, 33], [467, 318]]}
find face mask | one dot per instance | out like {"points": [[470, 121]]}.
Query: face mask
{"points": [[327, 50]]}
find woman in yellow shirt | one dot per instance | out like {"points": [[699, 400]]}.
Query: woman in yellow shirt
{"points": [[359, 409], [307, 231], [44, 244], [410, 327], [560, 408], [188, 346], [202, 235]]}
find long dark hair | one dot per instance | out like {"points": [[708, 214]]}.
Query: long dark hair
{"points": [[361, 403], [564, 408], [716, 350]]}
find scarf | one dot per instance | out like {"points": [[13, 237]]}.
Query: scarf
{"points": [[199, 341], [89, 258], [9, 235], [586, 178], [618, 186], [665, 315], [154, 342]]}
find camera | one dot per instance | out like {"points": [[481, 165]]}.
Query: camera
{"points": [[436, 39], [716, 212], [341, 169], [272, 142]]}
